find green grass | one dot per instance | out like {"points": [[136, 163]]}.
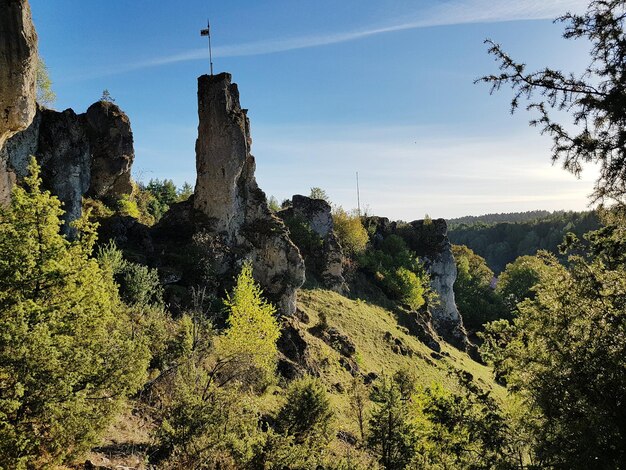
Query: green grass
{"points": [[367, 325]]}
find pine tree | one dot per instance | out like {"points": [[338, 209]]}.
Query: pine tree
{"points": [[66, 358], [248, 350]]}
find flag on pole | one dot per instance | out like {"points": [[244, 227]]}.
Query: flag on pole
{"points": [[207, 31]]}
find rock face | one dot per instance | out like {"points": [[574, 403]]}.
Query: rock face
{"points": [[18, 66], [80, 154], [223, 159], [324, 259], [229, 198], [63, 153], [429, 240], [112, 154]]}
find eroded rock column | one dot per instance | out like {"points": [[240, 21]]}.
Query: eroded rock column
{"points": [[431, 243], [112, 152], [228, 196]]}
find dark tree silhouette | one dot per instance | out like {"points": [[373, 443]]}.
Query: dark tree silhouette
{"points": [[595, 99]]}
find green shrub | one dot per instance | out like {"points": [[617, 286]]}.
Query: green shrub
{"points": [[392, 434], [247, 351], [139, 285], [303, 236], [475, 298], [521, 277], [127, 206], [206, 426], [397, 271], [407, 287], [350, 231], [306, 414]]}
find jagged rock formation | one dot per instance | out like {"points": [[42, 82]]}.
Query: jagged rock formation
{"points": [[324, 259], [80, 154], [429, 240], [227, 195], [18, 66], [112, 152], [435, 250], [63, 153]]}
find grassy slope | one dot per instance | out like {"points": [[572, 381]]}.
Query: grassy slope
{"points": [[366, 325]]}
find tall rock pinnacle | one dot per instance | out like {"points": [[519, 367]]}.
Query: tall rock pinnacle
{"points": [[229, 197], [222, 152], [18, 67]]}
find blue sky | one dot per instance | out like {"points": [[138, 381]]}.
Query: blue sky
{"points": [[381, 87]]}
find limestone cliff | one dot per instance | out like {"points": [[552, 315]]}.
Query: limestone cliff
{"points": [[18, 66], [63, 153], [229, 198], [324, 257], [80, 154], [429, 240]]}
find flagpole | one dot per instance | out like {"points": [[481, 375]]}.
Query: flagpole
{"points": [[210, 52], [358, 195]]}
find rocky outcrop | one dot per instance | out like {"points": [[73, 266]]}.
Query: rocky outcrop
{"points": [[227, 195], [112, 153], [429, 240], [18, 66], [323, 259], [80, 154], [63, 153]]}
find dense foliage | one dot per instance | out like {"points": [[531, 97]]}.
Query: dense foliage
{"points": [[68, 358], [520, 279], [398, 271], [505, 217], [564, 354], [148, 203], [350, 231], [307, 414]]}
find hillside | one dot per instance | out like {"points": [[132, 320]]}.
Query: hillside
{"points": [[382, 346]]}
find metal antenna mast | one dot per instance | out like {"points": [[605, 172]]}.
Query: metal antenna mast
{"points": [[358, 194], [207, 32]]}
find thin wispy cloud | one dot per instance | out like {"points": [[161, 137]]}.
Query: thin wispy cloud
{"points": [[408, 171], [455, 12]]}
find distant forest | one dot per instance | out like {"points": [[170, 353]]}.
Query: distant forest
{"points": [[501, 238], [510, 217]]}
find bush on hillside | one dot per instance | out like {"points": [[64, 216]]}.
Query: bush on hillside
{"points": [[350, 231]]}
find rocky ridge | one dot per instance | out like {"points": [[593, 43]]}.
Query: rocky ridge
{"points": [[80, 154]]}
